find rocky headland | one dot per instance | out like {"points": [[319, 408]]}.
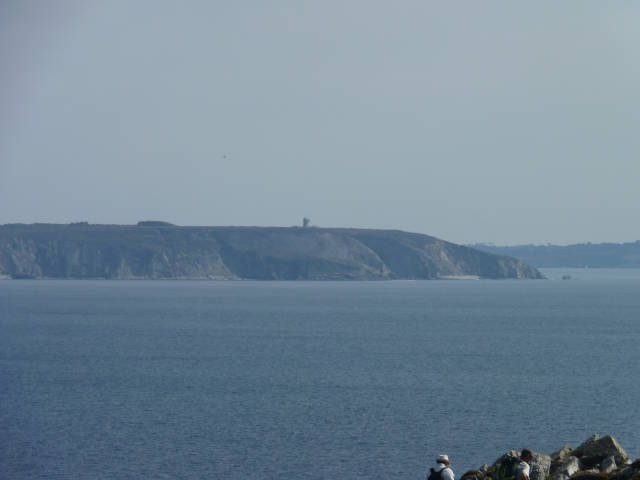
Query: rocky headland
{"points": [[158, 250], [597, 458]]}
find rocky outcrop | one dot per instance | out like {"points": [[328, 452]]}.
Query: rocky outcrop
{"points": [[566, 468], [504, 467], [597, 458], [540, 466], [596, 449], [156, 250], [561, 455]]}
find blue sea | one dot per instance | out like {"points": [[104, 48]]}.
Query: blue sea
{"points": [[311, 380]]}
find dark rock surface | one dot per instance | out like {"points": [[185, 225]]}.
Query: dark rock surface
{"points": [[154, 250]]}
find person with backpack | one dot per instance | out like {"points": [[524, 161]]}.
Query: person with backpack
{"points": [[443, 469], [523, 468]]}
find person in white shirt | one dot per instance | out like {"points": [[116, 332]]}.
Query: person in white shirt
{"points": [[523, 468], [443, 469]]}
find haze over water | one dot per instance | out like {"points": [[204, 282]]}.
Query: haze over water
{"points": [[311, 380]]}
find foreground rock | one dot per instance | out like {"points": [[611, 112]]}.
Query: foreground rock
{"points": [[566, 468], [504, 467], [597, 458], [595, 449]]}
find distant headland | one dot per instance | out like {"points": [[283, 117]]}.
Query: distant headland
{"points": [[160, 250], [581, 255]]}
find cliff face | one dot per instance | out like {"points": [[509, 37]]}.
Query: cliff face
{"points": [[227, 253]]}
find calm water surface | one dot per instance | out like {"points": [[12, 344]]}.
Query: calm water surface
{"points": [[310, 380]]}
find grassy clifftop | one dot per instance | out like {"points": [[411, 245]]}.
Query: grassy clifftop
{"points": [[158, 251]]}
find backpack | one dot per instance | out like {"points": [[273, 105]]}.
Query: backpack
{"points": [[436, 475]]}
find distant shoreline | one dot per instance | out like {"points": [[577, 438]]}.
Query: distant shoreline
{"points": [[583, 255]]}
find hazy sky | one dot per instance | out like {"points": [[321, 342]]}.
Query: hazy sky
{"points": [[477, 121]]}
